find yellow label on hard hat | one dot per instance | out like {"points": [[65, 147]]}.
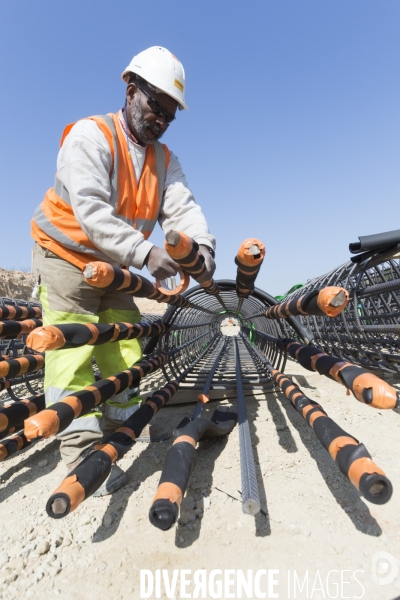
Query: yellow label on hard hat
{"points": [[178, 84]]}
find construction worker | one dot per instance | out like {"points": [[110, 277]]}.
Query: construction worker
{"points": [[114, 181]]}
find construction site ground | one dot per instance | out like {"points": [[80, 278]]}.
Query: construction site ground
{"points": [[315, 526]]}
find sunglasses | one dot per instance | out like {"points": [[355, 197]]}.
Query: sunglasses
{"points": [[156, 107]]}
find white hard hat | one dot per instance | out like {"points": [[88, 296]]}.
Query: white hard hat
{"points": [[162, 69]]}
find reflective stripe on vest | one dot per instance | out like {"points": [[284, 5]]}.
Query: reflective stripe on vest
{"points": [[62, 191], [45, 225], [54, 225]]}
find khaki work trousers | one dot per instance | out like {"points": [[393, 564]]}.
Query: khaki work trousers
{"points": [[67, 298]]}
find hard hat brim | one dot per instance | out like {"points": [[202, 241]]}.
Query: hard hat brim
{"points": [[181, 104]]}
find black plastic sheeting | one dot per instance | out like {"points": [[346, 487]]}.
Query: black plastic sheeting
{"points": [[375, 241]]}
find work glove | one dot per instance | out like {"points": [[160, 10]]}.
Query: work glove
{"points": [[208, 263], [160, 264]]}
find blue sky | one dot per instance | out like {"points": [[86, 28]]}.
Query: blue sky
{"points": [[292, 134]]}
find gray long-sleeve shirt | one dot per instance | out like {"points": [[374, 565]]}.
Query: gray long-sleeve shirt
{"points": [[83, 166]]}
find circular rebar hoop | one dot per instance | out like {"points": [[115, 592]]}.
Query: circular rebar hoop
{"points": [[188, 324]]}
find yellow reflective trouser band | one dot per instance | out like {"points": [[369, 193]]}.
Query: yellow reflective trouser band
{"points": [[96, 414], [118, 356], [71, 369], [131, 402]]}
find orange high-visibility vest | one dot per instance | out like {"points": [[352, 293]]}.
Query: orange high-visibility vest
{"points": [[54, 225]]}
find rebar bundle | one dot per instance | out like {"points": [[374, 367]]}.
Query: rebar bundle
{"points": [[348, 316]]}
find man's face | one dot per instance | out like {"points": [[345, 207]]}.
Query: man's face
{"points": [[146, 125]]}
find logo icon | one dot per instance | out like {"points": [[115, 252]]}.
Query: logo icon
{"points": [[384, 568]]}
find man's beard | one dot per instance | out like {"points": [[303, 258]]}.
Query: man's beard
{"points": [[141, 128]]}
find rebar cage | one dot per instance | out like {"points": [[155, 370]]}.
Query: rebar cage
{"points": [[367, 331], [200, 328], [14, 347]]}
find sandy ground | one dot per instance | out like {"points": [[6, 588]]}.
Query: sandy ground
{"points": [[316, 528], [151, 307]]}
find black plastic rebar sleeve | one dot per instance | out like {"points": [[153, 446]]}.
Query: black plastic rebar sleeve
{"points": [[12, 416], [13, 328], [74, 335], [179, 464], [108, 277], [366, 387], [330, 301], [60, 415], [18, 313], [352, 457], [89, 474], [10, 367]]}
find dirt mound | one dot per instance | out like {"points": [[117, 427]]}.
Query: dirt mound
{"points": [[16, 284]]}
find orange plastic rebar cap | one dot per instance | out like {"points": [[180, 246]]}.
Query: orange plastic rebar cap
{"points": [[45, 338], [178, 244], [331, 296], [248, 251], [99, 274]]}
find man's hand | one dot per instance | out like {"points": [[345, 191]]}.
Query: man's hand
{"points": [[160, 264], [208, 263]]}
